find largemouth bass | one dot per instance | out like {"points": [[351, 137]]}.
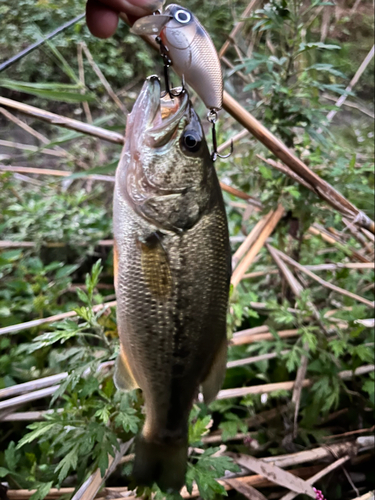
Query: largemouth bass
{"points": [[172, 275]]}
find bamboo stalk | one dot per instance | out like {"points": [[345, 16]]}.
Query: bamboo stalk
{"points": [[250, 239], [323, 282], [256, 247], [43, 321], [63, 121]]}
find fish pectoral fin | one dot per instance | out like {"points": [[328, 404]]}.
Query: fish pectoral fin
{"points": [[211, 385], [123, 378], [155, 267]]}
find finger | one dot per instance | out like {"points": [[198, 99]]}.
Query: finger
{"points": [[101, 20], [136, 8]]}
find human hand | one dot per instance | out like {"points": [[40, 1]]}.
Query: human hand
{"points": [[102, 16]]}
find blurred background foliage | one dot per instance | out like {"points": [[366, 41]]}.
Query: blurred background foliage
{"points": [[291, 62]]}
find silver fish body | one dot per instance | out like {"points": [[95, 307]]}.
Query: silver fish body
{"points": [[172, 273], [191, 51]]}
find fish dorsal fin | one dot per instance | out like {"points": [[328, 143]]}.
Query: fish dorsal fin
{"points": [[211, 385], [123, 378], [155, 266]]}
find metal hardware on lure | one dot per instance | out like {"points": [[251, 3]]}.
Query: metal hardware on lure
{"points": [[212, 118], [164, 52]]}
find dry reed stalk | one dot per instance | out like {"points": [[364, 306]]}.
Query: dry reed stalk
{"points": [[231, 66], [240, 194], [57, 173], [31, 386], [29, 129], [81, 75], [323, 282], [62, 121], [251, 339], [352, 83], [56, 244], [233, 139], [237, 28], [92, 485], [274, 474], [26, 398], [316, 477], [43, 321], [255, 359], [250, 239], [286, 386], [351, 104], [316, 267], [286, 170], [318, 230], [256, 247], [103, 79], [245, 489], [32, 149]]}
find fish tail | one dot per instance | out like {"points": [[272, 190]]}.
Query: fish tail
{"points": [[161, 463]]}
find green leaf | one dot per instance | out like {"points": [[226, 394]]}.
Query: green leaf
{"points": [[3, 472], [40, 429], [55, 91], [68, 462], [42, 491]]}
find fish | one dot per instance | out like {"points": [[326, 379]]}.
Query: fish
{"points": [[191, 50], [172, 268]]}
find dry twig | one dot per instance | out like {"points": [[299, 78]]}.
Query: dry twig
{"points": [[323, 282], [267, 230]]}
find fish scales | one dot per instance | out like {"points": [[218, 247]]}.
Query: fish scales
{"points": [[172, 278]]}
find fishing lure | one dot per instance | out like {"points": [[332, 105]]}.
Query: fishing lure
{"points": [[186, 45]]}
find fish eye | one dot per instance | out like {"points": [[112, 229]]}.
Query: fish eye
{"points": [[191, 142], [182, 16]]}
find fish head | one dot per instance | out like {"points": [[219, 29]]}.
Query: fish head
{"points": [[165, 166]]}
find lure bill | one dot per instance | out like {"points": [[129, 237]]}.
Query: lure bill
{"points": [[172, 275], [190, 49]]}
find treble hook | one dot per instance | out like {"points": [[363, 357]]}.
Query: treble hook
{"points": [[167, 64], [212, 118]]}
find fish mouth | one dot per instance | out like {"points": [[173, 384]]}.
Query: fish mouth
{"points": [[156, 115]]}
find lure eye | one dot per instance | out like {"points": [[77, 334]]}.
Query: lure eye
{"points": [[182, 16], [191, 142]]}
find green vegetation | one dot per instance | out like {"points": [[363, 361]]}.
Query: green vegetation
{"points": [[293, 62]]}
